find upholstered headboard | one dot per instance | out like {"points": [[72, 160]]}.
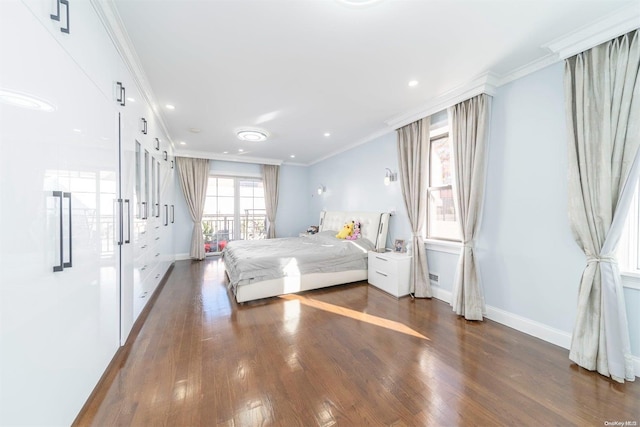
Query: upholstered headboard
{"points": [[373, 225]]}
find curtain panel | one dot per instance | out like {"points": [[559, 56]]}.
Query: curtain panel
{"points": [[413, 158], [603, 116], [270, 179], [194, 176], [469, 127]]}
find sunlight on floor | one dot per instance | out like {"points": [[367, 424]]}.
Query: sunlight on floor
{"points": [[363, 317], [292, 276]]}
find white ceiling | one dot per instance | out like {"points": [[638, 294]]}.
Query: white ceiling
{"points": [[300, 68]]}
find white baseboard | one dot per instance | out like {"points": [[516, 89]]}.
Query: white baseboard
{"points": [[182, 257], [440, 293], [530, 327], [527, 326]]}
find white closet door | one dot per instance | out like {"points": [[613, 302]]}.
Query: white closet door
{"points": [[58, 330]]}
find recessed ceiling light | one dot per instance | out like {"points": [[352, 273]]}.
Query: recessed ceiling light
{"points": [[293, 156], [413, 83], [170, 107], [252, 134], [240, 150], [77, 130], [225, 152], [327, 134], [183, 143], [195, 130], [130, 99], [24, 100]]}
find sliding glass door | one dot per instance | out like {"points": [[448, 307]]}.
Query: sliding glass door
{"points": [[234, 210]]}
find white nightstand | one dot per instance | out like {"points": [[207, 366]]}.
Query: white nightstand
{"points": [[389, 271]]}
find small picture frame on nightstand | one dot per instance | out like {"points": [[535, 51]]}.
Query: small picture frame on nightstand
{"points": [[399, 246]]}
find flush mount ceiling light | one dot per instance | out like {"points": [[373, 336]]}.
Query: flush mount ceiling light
{"points": [[24, 100], [252, 135], [170, 107], [413, 83]]}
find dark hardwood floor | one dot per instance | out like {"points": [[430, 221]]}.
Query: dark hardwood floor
{"points": [[348, 355]]}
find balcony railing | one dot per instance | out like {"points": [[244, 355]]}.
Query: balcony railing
{"points": [[218, 229]]}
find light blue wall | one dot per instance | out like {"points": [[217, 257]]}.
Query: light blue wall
{"points": [[354, 181], [292, 211], [529, 262], [293, 207], [530, 265]]}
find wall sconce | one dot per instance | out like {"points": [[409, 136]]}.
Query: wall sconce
{"points": [[390, 176], [321, 189]]}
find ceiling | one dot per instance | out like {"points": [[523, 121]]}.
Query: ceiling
{"points": [[303, 68]]}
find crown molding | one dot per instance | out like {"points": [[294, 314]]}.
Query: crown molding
{"points": [[227, 157], [527, 69], [112, 22], [485, 83], [613, 25], [348, 147]]}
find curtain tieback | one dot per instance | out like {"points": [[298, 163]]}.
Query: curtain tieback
{"points": [[467, 244], [610, 259]]}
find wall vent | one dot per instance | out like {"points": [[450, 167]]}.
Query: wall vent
{"points": [[434, 277]]}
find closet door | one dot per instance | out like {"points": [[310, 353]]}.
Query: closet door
{"points": [[59, 302]]}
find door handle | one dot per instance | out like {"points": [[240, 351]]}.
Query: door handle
{"points": [[56, 17], [128, 203], [70, 263], [166, 215], [60, 267], [173, 214], [120, 221], [121, 99], [145, 210]]}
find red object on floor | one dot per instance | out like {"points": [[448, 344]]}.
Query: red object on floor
{"points": [[221, 245]]}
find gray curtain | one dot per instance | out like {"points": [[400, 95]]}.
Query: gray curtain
{"points": [[194, 176], [270, 177], [413, 158], [603, 116], [469, 124]]}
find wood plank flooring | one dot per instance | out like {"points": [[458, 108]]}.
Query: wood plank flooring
{"points": [[348, 355]]}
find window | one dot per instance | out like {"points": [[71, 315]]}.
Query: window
{"points": [[629, 245], [234, 209], [442, 221]]}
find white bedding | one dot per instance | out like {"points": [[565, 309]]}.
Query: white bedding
{"points": [[265, 268], [259, 260]]}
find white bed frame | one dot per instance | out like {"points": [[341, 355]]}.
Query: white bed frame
{"points": [[374, 226]]}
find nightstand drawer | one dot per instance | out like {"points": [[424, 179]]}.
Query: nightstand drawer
{"points": [[389, 271]]}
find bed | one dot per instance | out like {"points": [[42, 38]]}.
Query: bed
{"points": [[265, 268]]}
